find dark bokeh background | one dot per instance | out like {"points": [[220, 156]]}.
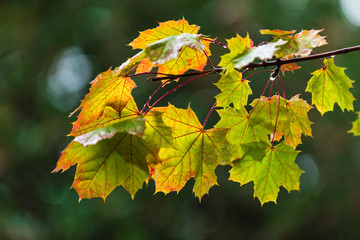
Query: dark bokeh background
{"points": [[50, 50]]}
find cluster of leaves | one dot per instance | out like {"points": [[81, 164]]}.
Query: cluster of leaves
{"points": [[116, 144]]}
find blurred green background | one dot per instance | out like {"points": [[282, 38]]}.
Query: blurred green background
{"points": [[51, 50]]}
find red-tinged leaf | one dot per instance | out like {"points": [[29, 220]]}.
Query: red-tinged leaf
{"points": [[188, 58], [108, 89], [269, 168], [299, 45], [276, 32], [120, 160], [294, 121], [308, 40], [356, 126], [111, 88], [164, 30], [330, 85], [145, 65], [242, 54], [162, 46], [291, 117], [233, 88], [289, 67], [197, 155]]}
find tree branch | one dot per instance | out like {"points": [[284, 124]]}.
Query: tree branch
{"points": [[277, 62]]}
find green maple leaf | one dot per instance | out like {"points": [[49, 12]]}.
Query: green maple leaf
{"points": [[197, 155], [242, 52], [330, 85], [242, 128], [269, 168], [120, 160], [356, 126], [236, 45], [233, 89]]}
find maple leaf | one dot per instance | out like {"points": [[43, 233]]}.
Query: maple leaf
{"points": [[186, 47], [330, 85], [292, 120], [233, 89], [242, 127], [164, 30], [120, 160], [276, 32], [236, 45], [356, 126], [111, 88], [299, 45], [197, 154], [101, 149], [244, 53], [269, 168], [169, 48], [133, 126], [289, 67]]}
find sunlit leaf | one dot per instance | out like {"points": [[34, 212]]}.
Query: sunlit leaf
{"points": [[299, 45], [237, 45], [188, 55], [169, 48], [330, 85], [133, 126], [308, 40], [269, 168], [290, 117], [356, 126], [294, 121], [120, 160], [197, 155], [276, 32], [164, 30], [242, 53], [111, 88], [233, 89], [243, 128], [289, 67]]}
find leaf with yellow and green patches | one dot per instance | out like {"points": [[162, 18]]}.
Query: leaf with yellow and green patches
{"points": [[269, 168], [111, 88], [243, 127], [116, 151], [290, 117], [233, 88], [119, 161], [294, 121], [237, 45], [242, 52], [330, 85], [299, 45], [197, 155], [356, 126], [174, 46]]}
